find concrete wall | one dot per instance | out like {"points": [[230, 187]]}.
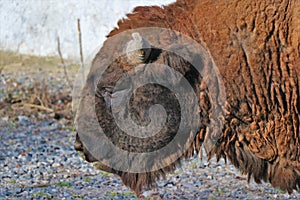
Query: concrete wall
{"points": [[32, 26]]}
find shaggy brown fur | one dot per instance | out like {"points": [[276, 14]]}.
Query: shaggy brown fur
{"points": [[255, 46]]}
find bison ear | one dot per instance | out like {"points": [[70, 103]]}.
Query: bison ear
{"points": [[138, 49]]}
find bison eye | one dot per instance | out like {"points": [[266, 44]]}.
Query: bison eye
{"points": [[105, 92], [112, 97]]}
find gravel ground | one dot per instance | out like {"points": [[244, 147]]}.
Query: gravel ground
{"points": [[37, 161]]}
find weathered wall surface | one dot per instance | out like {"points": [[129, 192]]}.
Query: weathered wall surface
{"points": [[32, 26]]}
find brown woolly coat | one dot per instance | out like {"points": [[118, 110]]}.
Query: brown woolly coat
{"points": [[255, 45]]}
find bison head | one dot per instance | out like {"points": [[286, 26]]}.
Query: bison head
{"points": [[146, 105]]}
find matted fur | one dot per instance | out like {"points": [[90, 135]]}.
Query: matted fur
{"points": [[255, 46]]}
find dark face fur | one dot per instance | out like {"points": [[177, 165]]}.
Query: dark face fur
{"points": [[142, 99], [139, 109]]}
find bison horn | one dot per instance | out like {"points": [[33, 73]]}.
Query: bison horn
{"points": [[138, 49]]}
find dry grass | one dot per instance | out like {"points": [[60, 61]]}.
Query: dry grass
{"points": [[12, 62], [35, 86]]}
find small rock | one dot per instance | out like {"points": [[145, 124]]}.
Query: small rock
{"points": [[5, 119], [23, 119], [55, 165]]}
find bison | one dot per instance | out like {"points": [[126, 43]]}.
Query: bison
{"points": [[255, 47]]}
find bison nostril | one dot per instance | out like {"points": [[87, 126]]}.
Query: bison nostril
{"points": [[78, 144]]}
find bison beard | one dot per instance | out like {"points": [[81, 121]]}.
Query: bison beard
{"points": [[256, 49]]}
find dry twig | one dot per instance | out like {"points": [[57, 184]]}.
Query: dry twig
{"points": [[36, 106], [80, 43], [63, 63], [1, 69]]}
